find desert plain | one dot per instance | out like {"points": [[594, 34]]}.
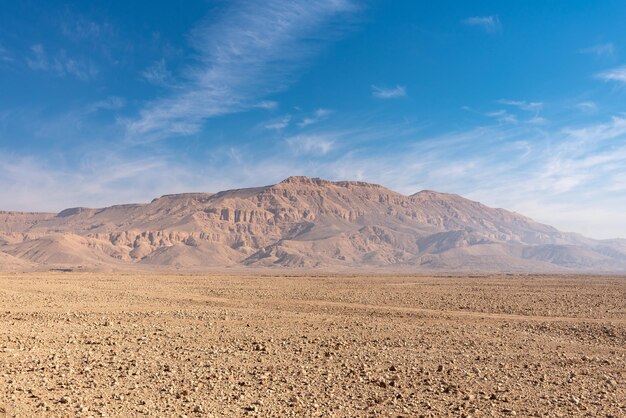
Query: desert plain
{"points": [[311, 345]]}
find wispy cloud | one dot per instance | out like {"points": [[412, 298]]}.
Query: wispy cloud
{"points": [[490, 24], [279, 123], [617, 75], [537, 120], [267, 105], [78, 27], [502, 116], [310, 144], [388, 92], [60, 63], [522, 105], [98, 34], [157, 73], [507, 116], [64, 65], [588, 107], [5, 55], [251, 51], [110, 103], [38, 60], [508, 119], [607, 49], [616, 128], [317, 116], [497, 113]]}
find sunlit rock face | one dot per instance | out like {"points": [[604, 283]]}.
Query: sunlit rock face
{"points": [[300, 222]]}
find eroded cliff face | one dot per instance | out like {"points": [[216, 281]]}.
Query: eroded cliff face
{"points": [[299, 222]]}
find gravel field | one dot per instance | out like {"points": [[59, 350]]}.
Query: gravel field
{"points": [[272, 344]]}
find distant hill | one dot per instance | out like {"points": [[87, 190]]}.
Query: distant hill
{"points": [[302, 223]]}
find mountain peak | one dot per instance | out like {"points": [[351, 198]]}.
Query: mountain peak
{"points": [[316, 181], [304, 180]]}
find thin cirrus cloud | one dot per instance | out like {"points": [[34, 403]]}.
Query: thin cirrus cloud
{"points": [[505, 116], [110, 103], [616, 128], [522, 105], [278, 124], [38, 59], [502, 116], [617, 75], [157, 73], [60, 63], [537, 120], [490, 24], [587, 107], [267, 105], [317, 116], [388, 92], [310, 144], [252, 51], [5, 55], [607, 49]]}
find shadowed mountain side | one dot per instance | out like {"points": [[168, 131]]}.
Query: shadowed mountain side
{"points": [[304, 223]]}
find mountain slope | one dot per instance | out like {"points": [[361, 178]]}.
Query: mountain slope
{"points": [[306, 223]]}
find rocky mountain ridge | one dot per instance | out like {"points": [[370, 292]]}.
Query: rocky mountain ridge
{"points": [[300, 222]]}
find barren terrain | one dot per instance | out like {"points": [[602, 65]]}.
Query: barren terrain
{"points": [[222, 345]]}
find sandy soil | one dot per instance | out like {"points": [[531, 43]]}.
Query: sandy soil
{"points": [[268, 345]]}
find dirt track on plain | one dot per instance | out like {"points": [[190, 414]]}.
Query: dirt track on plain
{"points": [[222, 345]]}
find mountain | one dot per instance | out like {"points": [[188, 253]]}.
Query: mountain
{"points": [[303, 223]]}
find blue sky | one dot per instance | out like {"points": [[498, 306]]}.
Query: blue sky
{"points": [[520, 105]]}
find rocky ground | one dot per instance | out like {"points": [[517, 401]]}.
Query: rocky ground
{"points": [[223, 345]]}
